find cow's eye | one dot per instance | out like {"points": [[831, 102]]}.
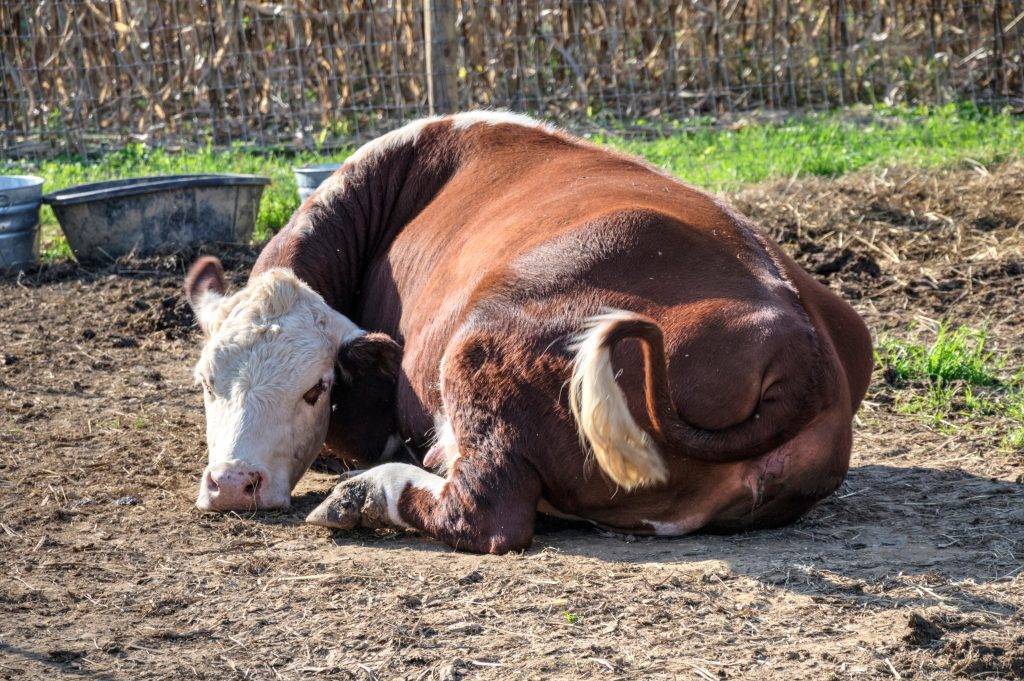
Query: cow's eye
{"points": [[313, 394]]}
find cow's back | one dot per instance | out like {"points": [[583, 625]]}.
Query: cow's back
{"points": [[531, 216]]}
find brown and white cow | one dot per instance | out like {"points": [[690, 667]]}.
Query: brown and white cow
{"points": [[580, 333]]}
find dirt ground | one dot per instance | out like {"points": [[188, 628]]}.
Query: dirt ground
{"points": [[912, 570]]}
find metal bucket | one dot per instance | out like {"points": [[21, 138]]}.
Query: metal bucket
{"points": [[156, 215], [19, 221], [310, 177]]}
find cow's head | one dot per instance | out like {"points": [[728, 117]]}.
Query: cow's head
{"points": [[273, 352]]}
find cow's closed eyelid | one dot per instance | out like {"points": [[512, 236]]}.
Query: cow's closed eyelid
{"points": [[312, 395]]}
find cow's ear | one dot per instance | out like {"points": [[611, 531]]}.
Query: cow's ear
{"points": [[369, 358], [363, 415], [204, 287]]}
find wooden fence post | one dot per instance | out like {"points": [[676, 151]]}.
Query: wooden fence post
{"points": [[439, 36]]}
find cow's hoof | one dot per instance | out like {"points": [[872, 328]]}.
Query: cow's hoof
{"points": [[355, 502]]}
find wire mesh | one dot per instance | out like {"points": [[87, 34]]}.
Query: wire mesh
{"points": [[81, 76]]}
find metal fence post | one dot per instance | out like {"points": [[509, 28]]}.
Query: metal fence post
{"points": [[439, 37]]}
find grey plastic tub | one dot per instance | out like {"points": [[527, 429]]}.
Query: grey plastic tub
{"points": [[19, 221], [156, 215], [311, 177]]}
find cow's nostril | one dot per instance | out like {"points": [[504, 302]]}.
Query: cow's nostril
{"points": [[232, 486], [253, 485]]}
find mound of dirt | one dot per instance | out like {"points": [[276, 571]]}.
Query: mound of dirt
{"points": [[906, 239], [922, 631], [168, 313], [974, 659], [143, 297]]}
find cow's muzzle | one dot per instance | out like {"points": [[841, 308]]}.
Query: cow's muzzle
{"points": [[236, 486]]}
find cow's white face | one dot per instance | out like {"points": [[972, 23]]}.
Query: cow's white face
{"points": [[266, 369]]}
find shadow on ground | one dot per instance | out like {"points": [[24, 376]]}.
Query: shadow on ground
{"points": [[884, 522]]}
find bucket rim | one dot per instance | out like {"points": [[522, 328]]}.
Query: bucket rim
{"points": [[30, 181], [133, 186], [318, 168]]}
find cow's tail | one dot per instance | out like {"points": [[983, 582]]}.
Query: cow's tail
{"points": [[628, 454], [623, 450]]}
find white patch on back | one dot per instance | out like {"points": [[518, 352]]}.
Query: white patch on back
{"points": [[466, 119], [409, 134], [406, 135]]}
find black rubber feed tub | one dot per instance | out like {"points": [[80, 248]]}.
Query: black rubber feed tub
{"points": [[156, 215]]}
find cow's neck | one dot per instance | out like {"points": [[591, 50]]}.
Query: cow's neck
{"points": [[334, 238]]}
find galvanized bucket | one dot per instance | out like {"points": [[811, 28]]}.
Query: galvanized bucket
{"points": [[310, 177], [19, 221]]}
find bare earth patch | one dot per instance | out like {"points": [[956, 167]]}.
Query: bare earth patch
{"points": [[914, 569]]}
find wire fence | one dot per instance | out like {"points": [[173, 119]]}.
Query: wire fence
{"points": [[81, 76]]}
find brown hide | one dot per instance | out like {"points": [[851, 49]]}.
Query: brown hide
{"points": [[484, 249]]}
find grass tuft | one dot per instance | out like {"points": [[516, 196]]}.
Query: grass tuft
{"points": [[957, 355], [956, 376], [1015, 440]]}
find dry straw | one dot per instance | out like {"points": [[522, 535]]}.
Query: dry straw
{"points": [[80, 74]]}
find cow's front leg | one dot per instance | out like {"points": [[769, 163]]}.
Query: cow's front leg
{"points": [[487, 510], [371, 498]]}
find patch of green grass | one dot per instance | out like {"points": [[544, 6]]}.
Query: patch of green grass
{"points": [[55, 246], [1015, 440], [830, 144], [955, 355], [718, 158], [955, 376], [941, 403]]}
